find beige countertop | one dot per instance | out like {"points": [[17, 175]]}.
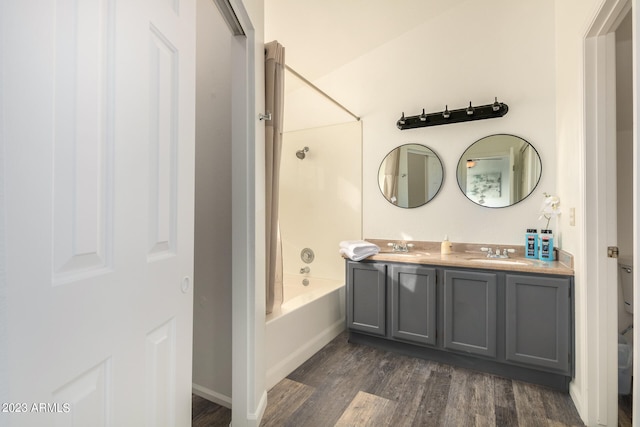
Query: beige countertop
{"points": [[470, 256]]}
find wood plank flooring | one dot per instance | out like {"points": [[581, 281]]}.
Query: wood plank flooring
{"points": [[352, 385], [208, 414]]}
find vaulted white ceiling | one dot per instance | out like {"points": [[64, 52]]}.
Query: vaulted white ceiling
{"points": [[320, 36]]}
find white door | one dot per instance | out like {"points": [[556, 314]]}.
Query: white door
{"points": [[97, 167]]}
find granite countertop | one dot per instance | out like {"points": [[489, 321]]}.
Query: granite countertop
{"points": [[470, 256]]}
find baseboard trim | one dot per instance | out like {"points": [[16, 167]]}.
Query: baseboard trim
{"points": [[211, 395], [278, 372], [262, 406]]}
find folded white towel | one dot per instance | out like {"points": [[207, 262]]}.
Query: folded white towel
{"points": [[355, 245], [357, 250]]}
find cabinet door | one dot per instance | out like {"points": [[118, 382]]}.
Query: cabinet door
{"points": [[470, 304], [538, 319], [366, 297], [413, 303]]}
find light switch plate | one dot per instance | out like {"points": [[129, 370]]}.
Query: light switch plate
{"points": [[572, 216]]}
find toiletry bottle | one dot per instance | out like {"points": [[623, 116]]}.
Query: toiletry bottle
{"points": [[546, 245], [531, 243], [445, 246]]}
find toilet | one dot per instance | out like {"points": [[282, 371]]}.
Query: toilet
{"points": [[625, 354]]}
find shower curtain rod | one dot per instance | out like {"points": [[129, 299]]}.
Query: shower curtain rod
{"points": [[295, 73]]}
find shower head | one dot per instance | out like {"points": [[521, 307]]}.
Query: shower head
{"points": [[301, 153]]}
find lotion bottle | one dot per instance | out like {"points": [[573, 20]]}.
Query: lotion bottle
{"points": [[531, 243], [546, 245], [445, 246]]}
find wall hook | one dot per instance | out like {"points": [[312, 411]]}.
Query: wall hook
{"points": [[496, 105], [470, 110], [489, 111], [266, 116]]}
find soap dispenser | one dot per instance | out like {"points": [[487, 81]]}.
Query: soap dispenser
{"points": [[445, 246]]}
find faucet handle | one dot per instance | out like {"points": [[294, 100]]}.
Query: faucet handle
{"points": [[410, 245], [485, 249]]}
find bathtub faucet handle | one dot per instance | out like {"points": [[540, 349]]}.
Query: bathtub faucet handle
{"points": [[305, 270]]}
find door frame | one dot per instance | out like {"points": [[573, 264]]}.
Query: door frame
{"points": [[600, 200], [248, 384]]}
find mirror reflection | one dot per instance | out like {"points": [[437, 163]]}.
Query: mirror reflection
{"points": [[410, 175], [499, 170]]}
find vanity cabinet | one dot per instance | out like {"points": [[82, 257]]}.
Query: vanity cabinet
{"points": [[518, 325], [470, 312], [538, 318]]}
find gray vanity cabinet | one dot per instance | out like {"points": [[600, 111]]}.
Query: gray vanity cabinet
{"points": [[413, 303], [470, 312], [538, 319], [518, 325], [367, 297]]}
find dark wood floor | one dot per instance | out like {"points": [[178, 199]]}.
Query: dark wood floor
{"points": [[355, 385], [625, 404], [208, 414]]}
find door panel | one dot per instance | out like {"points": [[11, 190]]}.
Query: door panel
{"points": [[413, 303], [98, 150], [538, 318], [367, 297], [470, 312]]}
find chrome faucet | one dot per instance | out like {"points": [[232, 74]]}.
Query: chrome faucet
{"points": [[400, 247], [305, 270], [490, 254]]}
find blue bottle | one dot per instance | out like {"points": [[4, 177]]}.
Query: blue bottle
{"points": [[531, 243], [546, 245]]}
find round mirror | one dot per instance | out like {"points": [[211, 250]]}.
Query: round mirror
{"points": [[499, 170], [410, 176]]}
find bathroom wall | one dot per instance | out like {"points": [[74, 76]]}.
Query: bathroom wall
{"points": [[320, 196], [474, 52], [573, 20], [212, 269]]}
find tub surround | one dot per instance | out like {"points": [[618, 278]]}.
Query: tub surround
{"points": [[469, 255]]}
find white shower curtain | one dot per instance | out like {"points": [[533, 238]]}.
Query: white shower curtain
{"points": [[274, 104]]}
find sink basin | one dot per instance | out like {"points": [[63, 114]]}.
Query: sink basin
{"points": [[501, 261], [405, 254]]}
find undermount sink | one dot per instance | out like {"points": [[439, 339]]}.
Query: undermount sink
{"points": [[405, 254], [503, 261]]}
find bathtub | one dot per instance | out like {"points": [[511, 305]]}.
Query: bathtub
{"points": [[309, 318]]}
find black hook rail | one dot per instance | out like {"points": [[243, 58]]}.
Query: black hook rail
{"points": [[489, 111]]}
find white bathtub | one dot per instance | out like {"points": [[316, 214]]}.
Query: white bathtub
{"points": [[309, 318]]}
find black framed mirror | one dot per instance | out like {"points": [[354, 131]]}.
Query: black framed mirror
{"points": [[499, 170], [410, 175]]}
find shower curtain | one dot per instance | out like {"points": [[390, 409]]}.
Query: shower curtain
{"points": [[274, 103]]}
